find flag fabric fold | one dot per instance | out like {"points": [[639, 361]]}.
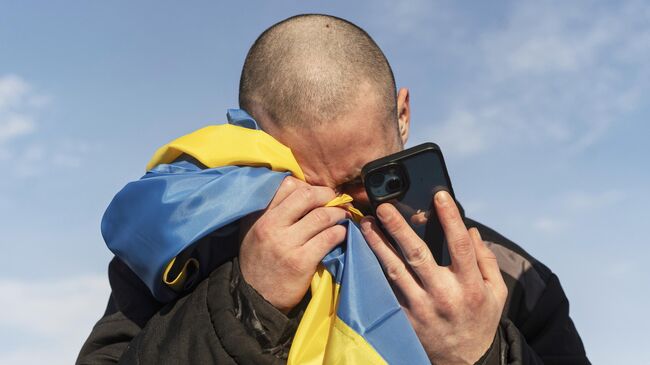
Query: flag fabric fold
{"points": [[153, 223]]}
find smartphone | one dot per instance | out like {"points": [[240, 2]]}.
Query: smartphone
{"points": [[409, 179]]}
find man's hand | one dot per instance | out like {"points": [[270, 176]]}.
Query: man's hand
{"points": [[281, 248], [454, 310]]}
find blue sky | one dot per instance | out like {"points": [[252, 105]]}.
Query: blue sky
{"points": [[541, 109]]}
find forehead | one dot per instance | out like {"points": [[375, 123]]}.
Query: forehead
{"points": [[334, 154]]}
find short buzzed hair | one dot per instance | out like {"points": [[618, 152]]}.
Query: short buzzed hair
{"points": [[308, 69]]}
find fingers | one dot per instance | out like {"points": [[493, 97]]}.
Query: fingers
{"points": [[415, 250], [288, 186], [488, 265], [316, 221], [324, 242], [300, 202], [461, 246], [396, 270]]}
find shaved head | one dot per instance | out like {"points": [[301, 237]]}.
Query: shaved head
{"points": [[310, 70]]}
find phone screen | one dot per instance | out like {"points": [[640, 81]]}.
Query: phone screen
{"points": [[409, 180]]}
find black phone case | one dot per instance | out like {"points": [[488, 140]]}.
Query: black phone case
{"points": [[426, 174]]}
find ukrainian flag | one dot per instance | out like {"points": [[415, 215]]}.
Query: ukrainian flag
{"points": [[156, 226]]}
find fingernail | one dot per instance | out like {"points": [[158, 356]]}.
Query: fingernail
{"points": [[381, 213], [442, 197]]}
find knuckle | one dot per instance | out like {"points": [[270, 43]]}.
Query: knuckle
{"points": [[419, 256], [290, 183], [395, 272], [462, 246], [321, 217], [444, 305], [490, 259], [294, 264], [307, 194], [475, 297], [262, 230], [327, 236], [489, 255]]}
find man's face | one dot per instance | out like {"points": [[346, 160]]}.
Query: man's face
{"points": [[332, 155]]}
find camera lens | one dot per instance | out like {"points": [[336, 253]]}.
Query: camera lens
{"points": [[393, 185], [376, 180]]}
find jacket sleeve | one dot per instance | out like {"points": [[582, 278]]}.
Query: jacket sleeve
{"points": [[211, 325], [272, 329], [546, 336]]}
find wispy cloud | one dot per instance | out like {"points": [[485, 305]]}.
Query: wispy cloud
{"points": [[16, 102], [581, 201], [15, 125], [549, 73], [60, 313], [550, 225], [12, 91], [574, 204], [21, 140]]}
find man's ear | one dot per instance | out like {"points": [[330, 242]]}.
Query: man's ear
{"points": [[403, 114]]}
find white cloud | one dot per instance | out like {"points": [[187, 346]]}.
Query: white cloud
{"points": [[29, 161], [4, 154], [550, 225], [467, 134], [581, 201], [68, 153], [550, 74], [551, 38], [16, 99], [621, 269], [15, 125], [571, 206], [12, 91], [55, 315], [20, 106], [66, 160]]}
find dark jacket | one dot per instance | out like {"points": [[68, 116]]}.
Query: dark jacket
{"points": [[224, 321]]}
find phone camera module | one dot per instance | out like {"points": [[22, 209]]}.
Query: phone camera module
{"points": [[393, 185], [376, 180], [387, 182]]}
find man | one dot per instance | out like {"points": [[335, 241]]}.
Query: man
{"points": [[321, 86]]}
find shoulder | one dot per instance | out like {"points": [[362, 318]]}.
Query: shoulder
{"points": [[514, 258], [526, 277]]}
